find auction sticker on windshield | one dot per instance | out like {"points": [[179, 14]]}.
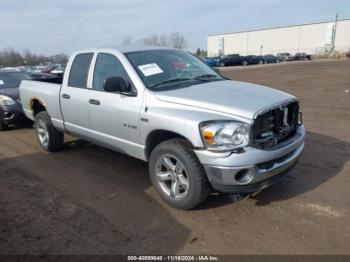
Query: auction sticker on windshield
{"points": [[150, 69]]}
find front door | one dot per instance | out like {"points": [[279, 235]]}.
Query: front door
{"points": [[114, 117]]}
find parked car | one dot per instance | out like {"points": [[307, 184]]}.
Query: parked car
{"points": [[268, 59], [302, 57], [10, 104], [212, 61], [49, 68], [283, 57], [45, 77], [234, 59], [254, 60], [59, 71], [197, 130], [37, 69], [35, 76], [348, 54]]}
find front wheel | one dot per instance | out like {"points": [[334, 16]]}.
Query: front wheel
{"points": [[49, 137], [177, 174]]}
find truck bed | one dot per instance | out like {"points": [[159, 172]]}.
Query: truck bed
{"points": [[53, 80], [46, 93]]}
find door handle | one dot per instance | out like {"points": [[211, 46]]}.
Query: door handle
{"points": [[94, 102], [65, 96]]}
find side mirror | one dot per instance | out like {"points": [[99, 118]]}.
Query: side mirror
{"points": [[116, 84]]}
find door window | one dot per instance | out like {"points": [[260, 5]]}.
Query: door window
{"points": [[80, 70], [107, 65]]}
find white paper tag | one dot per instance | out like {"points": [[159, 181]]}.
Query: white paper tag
{"points": [[150, 69], [1, 82]]}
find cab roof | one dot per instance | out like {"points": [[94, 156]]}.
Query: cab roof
{"points": [[127, 49]]}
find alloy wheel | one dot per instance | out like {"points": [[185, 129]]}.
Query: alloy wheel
{"points": [[172, 176], [43, 133]]}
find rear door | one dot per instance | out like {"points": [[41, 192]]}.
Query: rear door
{"points": [[114, 117], [74, 96]]}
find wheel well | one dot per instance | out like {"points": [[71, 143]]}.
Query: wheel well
{"points": [[158, 136], [37, 106]]}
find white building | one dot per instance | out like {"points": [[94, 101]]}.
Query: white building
{"points": [[308, 38]]}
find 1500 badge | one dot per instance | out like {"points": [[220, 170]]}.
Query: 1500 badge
{"points": [[130, 126]]}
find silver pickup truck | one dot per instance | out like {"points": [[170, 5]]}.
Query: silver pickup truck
{"points": [[198, 130]]}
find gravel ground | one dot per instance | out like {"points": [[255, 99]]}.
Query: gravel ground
{"points": [[90, 200]]}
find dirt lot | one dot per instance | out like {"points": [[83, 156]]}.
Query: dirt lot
{"points": [[89, 200]]}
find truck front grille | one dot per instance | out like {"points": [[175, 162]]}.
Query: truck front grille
{"points": [[275, 126]]}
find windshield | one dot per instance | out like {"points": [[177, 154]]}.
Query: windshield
{"points": [[169, 69], [12, 79]]}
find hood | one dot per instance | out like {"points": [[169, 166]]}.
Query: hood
{"points": [[230, 97], [10, 92]]}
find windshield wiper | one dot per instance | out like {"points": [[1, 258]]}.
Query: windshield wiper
{"points": [[180, 79], [169, 81], [202, 77]]}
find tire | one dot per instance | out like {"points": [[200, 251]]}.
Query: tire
{"points": [[222, 64], [244, 63], [195, 190], [48, 136], [3, 126]]}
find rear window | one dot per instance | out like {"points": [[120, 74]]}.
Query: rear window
{"points": [[79, 71], [12, 79]]}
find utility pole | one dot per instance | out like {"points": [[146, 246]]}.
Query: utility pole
{"points": [[331, 51], [261, 52]]}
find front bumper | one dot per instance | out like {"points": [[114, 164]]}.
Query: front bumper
{"points": [[12, 114], [262, 168]]}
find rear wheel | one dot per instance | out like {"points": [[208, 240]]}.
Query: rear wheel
{"points": [[177, 174], [48, 136]]}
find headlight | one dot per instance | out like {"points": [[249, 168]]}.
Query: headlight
{"points": [[224, 135], [6, 101]]}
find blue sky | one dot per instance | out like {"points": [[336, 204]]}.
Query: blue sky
{"points": [[48, 26]]}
